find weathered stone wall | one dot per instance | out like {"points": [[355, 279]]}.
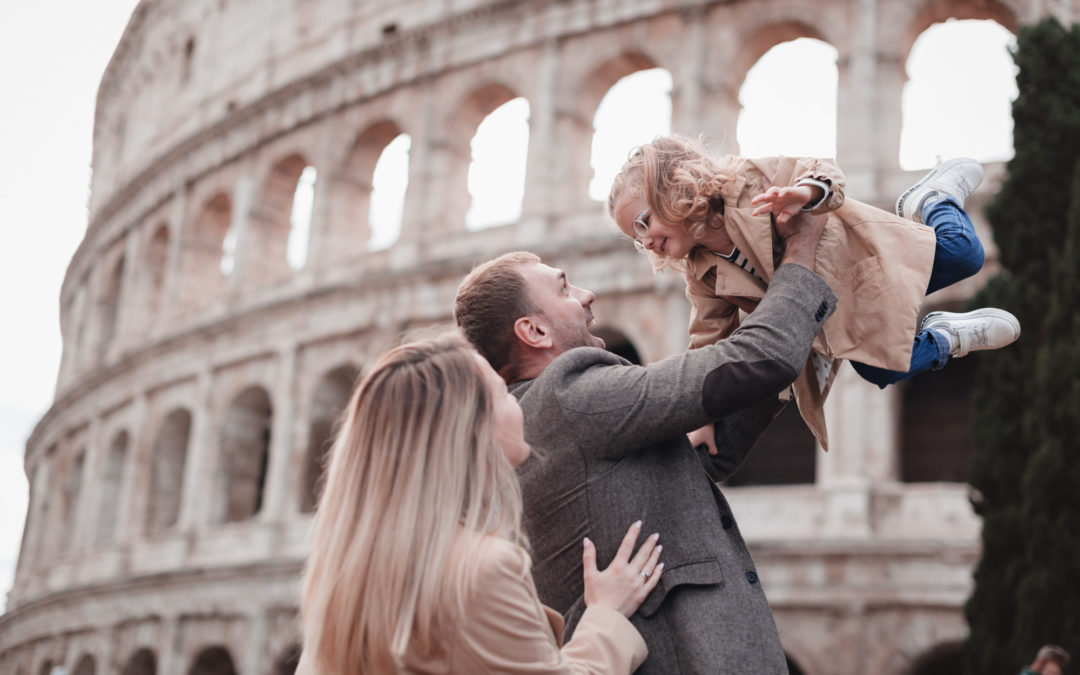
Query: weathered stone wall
{"points": [[188, 399]]}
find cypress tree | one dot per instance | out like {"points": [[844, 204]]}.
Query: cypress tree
{"points": [[1026, 468]]}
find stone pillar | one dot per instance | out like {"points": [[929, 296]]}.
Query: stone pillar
{"points": [[543, 159], [198, 488], [170, 658], [243, 206], [128, 301], [276, 501], [177, 229], [84, 520], [135, 481], [869, 117], [687, 96], [256, 657]]}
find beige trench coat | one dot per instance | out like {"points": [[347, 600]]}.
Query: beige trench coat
{"points": [[877, 263]]}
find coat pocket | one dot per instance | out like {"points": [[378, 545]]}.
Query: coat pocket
{"points": [[701, 573]]}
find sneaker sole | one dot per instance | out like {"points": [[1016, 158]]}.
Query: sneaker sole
{"points": [[902, 199], [933, 318]]}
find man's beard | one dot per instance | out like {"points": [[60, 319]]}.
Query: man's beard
{"points": [[570, 335]]}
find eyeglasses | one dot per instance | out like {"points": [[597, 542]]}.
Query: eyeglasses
{"points": [[641, 226]]}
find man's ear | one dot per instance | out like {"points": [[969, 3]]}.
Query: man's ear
{"points": [[531, 331]]}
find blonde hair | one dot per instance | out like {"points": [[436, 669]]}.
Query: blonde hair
{"points": [[680, 181], [416, 479]]}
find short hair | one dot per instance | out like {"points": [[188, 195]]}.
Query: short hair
{"points": [[489, 300], [1054, 652]]}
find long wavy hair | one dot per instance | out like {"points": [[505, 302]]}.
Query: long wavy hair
{"points": [[680, 182], [415, 481]]}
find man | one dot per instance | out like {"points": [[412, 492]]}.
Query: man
{"points": [[1051, 660], [610, 447]]}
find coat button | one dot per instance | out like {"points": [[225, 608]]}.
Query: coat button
{"points": [[751, 577], [726, 522]]}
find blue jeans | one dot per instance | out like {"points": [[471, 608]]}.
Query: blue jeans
{"points": [[958, 255]]}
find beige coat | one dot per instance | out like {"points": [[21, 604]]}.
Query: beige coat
{"points": [[505, 629], [877, 263]]}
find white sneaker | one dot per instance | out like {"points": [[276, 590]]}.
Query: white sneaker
{"points": [[986, 328], [956, 178]]}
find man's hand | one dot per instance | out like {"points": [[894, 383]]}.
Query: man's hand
{"points": [[799, 237], [706, 436]]}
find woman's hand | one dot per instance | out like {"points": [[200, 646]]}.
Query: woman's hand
{"points": [[706, 436], [626, 581], [784, 202]]}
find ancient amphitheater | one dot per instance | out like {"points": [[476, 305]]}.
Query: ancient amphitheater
{"points": [[172, 482]]}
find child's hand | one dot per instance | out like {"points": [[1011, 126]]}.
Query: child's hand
{"points": [[706, 436], [783, 202]]}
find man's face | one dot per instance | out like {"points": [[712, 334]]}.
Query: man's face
{"points": [[565, 309]]}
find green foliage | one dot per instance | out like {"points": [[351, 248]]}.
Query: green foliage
{"points": [[1026, 469]]}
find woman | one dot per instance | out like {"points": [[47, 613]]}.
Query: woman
{"points": [[418, 564]]}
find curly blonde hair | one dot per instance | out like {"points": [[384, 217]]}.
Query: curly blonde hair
{"points": [[680, 181]]}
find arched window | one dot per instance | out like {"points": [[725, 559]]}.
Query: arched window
{"points": [[802, 70], [109, 488], [617, 343], [946, 659], [213, 661], [496, 178], [109, 308], [330, 398], [276, 242], [167, 471], [142, 662], [86, 666], [155, 265], [245, 450], [72, 495], [288, 661], [958, 98], [635, 110], [389, 182], [207, 257]]}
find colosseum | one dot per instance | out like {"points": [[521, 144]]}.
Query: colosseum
{"points": [[174, 477]]}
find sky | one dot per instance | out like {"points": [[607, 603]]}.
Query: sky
{"points": [[53, 55]]}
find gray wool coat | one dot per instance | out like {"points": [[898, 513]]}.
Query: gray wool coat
{"points": [[609, 448]]}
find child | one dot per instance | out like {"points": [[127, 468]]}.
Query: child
{"points": [[711, 218]]}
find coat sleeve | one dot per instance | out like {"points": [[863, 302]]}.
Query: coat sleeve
{"points": [[505, 629], [712, 318], [790, 170], [615, 408]]}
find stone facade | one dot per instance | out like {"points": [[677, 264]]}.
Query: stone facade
{"points": [[171, 483]]}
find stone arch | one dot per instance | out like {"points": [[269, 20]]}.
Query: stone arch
{"points": [[109, 488], [461, 128], [155, 265], [936, 440], [142, 662], [499, 152], [167, 470], [85, 666], [942, 659], [46, 667], [757, 41], [331, 396], [792, 665], [108, 307], [264, 250], [72, 496], [287, 662], [349, 222], [214, 660], [576, 124], [933, 11], [243, 455], [203, 260], [616, 342]]}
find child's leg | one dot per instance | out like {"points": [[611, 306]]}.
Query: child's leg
{"points": [[930, 352], [959, 253]]}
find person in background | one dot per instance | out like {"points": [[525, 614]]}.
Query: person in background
{"points": [[1050, 660]]}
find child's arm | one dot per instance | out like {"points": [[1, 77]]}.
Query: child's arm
{"points": [[801, 184]]}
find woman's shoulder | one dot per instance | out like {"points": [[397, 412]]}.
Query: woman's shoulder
{"points": [[498, 556]]}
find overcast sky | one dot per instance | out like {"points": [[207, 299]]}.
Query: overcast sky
{"points": [[54, 53]]}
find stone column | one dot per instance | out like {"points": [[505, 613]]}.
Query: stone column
{"points": [[84, 520], [687, 96], [544, 156], [177, 228], [199, 482], [242, 207], [135, 480], [276, 498]]}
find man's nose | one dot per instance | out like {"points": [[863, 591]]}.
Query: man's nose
{"points": [[585, 297]]}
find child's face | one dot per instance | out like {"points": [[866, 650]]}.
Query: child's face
{"points": [[664, 239]]}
